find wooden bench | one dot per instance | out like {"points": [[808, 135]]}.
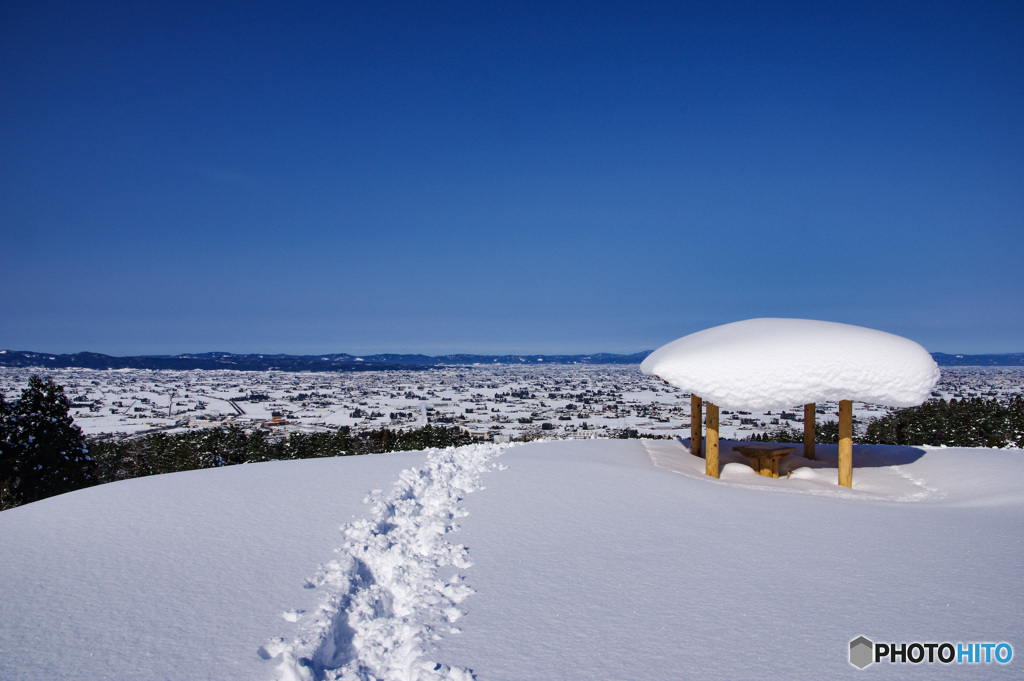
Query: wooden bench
{"points": [[764, 459]]}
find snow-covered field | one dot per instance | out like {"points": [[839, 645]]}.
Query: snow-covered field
{"points": [[578, 559], [562, 401]]}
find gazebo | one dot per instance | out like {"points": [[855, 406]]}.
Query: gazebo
{"points": [[764, 364]]}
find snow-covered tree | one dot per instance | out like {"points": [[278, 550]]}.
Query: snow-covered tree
{"points": [[8, 480], [42, 451]]}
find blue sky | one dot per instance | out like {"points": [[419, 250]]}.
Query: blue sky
{"points": [[506, 177]]}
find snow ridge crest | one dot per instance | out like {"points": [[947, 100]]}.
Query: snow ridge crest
{"points": [[384, 601]]}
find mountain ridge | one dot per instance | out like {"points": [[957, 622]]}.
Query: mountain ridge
{"points": [[376, 362], [283, 362]]}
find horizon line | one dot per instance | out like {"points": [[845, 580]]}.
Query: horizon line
{"points": [[415, 353]]}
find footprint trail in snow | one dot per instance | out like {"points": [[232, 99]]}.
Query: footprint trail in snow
{"points": [[384, 599]]}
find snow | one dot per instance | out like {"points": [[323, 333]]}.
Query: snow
{"points": [[382, 596], [597, 559], [778, 363]]}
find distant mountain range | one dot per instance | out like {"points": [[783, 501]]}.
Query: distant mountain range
{"points": [[329, 362], [1012, 359], [346, 362]]}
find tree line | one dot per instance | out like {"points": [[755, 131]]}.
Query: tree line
{"points": [[43, 453], [970, 422]]}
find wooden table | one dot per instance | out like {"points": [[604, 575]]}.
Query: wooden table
{"points": [[764, 459]]}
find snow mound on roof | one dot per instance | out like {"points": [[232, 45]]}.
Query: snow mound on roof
{"points": [[778, 363]]}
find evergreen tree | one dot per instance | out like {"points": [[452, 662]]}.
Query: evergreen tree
{"points": [[964, 423], [42, 452], [8, 474], [827, 432]]}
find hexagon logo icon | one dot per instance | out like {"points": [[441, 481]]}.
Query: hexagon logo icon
{"points": [[862, 652]]}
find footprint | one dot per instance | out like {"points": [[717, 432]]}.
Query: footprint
{"points": [[383, 600]]}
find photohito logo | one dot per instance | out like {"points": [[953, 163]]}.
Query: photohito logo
{"points": [[864, 652]]}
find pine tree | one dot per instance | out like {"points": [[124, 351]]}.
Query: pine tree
{"points": [[42, 452], [8, 474]]}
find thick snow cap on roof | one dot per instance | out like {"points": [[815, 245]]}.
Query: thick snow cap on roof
{"points": [[778, 363]]}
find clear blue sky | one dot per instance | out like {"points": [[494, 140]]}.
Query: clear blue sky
{"points": [[506, 177]]}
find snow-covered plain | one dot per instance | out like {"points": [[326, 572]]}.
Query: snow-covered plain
{"points": [[579, 559], [562, 401]]}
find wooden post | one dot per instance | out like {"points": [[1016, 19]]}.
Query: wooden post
{"points": [[809, 416], [696, 430], [846, 443], [711, 465]]}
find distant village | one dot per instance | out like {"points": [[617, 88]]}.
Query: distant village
{"points": [[494, 403]]}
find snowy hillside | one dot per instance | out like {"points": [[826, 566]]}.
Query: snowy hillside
{"points": [[586, 559]]}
